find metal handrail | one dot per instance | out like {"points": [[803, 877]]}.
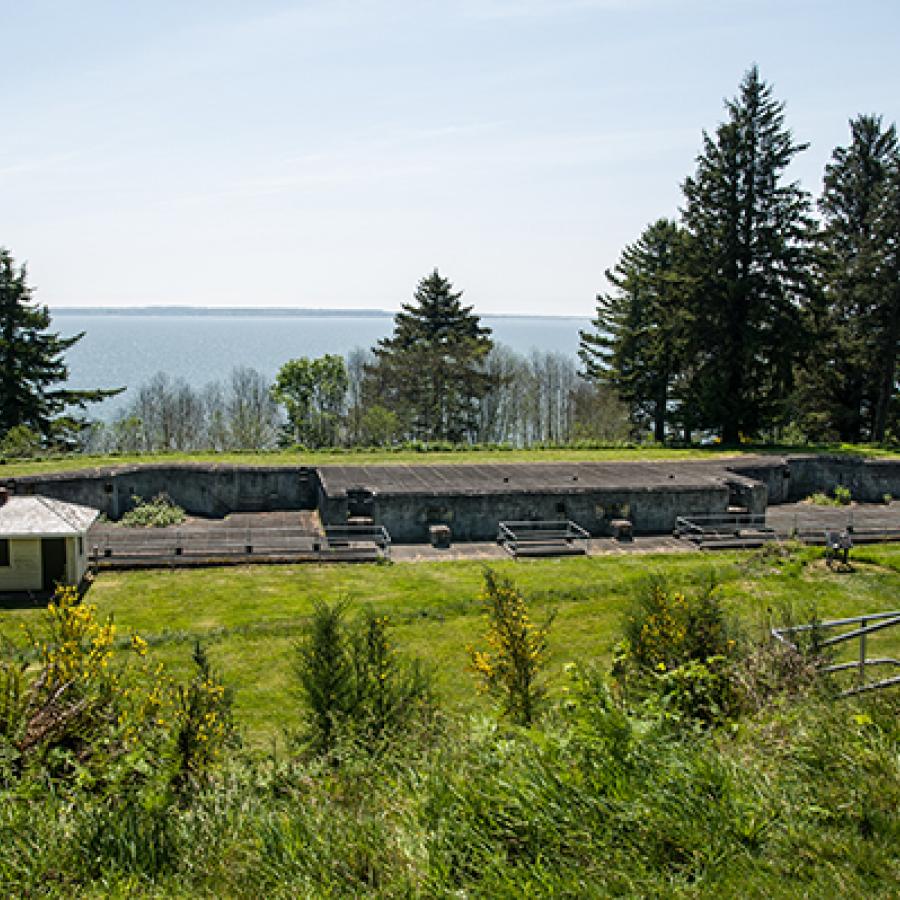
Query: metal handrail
{"points": [[879, 621]]}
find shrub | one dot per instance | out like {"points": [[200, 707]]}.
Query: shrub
{"points": [[20, 442], [841, 496], [202, 721], [510, 670], [355, 685], [677, 652], [156, 513], [81, 710]]}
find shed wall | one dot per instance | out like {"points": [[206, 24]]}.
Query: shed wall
{"points": [[24, 571]]}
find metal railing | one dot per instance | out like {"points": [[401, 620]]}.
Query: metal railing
{"points": [[810, 526], [879, 622], [170, 546], [720, 527], [548, 536]]}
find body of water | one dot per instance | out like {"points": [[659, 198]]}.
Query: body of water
{"points": [[129, 349]]}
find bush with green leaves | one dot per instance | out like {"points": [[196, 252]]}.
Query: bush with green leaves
{"points": [[678, 652], [20, 442], [356, 687], [159, 512], [510, 669], [74, 707], [840, 496]]}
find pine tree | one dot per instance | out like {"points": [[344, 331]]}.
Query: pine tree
{"points": [[858, 329], [31, 363], [431, 372], [751, 236], [636, 346]]}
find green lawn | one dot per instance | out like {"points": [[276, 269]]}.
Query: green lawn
{"points": [[249, 617], [387, 456]]}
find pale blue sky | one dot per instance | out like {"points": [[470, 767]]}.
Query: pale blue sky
{"points": [[328, 154]]}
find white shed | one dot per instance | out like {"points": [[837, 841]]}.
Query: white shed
{"points": [[42, 542]]}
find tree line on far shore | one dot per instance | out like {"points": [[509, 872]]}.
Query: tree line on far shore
{"points": [[745, 319]]}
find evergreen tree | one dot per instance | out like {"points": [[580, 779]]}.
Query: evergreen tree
{"points": [[857, 331], [636, 346], [886, 419], [431, 371], [751, 236], [31, 363]]}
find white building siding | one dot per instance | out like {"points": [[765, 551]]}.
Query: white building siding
{"points": [[76, 563], [24, 570]]}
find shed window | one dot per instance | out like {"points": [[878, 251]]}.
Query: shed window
{"points": [[4, 551]]}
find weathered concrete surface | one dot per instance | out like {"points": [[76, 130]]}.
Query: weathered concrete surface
{"points": [[472, 499], [201, 489], [868, 479]]}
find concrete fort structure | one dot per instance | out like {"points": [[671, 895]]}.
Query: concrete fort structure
{"points": [[471, 500]]}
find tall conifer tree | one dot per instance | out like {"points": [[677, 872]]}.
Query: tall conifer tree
{"points": [[31, 362], [751, 234], [431, 371], [637, 343], [858, 331]]}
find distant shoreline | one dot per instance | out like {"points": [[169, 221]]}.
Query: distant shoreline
{"points": [[260, 312]]}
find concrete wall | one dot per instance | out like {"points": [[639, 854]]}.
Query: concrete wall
{"points": [[775, 478], [24, 571], [868, 479], [212, 491], [475, 517]]}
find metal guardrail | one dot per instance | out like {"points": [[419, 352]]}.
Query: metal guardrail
{"points": [[879, 621], [863, 525], [349, 535], [169, 546], [542, 536], [733, 528]]}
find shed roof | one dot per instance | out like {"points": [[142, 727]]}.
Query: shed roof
{"points": [[34, 516]]}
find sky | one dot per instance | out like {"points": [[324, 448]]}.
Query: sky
{"points": [[329, 154]]}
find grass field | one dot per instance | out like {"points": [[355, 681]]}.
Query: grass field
{"points": [[794, 797], [13, 467], [250, 617]]}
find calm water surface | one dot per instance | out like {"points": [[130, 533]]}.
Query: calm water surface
{"points": [[129, 350]]}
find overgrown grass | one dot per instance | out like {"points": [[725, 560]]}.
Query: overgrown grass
{"points": [[426, 454], [799, 799]]}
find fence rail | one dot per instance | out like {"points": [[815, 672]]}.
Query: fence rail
{"points": [[870, 623], [542, 538], [111, 548]]}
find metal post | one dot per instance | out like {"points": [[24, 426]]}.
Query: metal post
{"points": [[862, 653]]}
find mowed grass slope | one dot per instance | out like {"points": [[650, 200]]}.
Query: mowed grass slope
{"points": [[251, 617]]}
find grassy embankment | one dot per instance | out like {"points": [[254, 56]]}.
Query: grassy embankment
{"points": [[250, 617], [796, 799], [462, 454]]}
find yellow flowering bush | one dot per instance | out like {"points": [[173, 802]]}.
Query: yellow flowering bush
{"points": [[517, 651], [81, 701], [678, 648]]}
